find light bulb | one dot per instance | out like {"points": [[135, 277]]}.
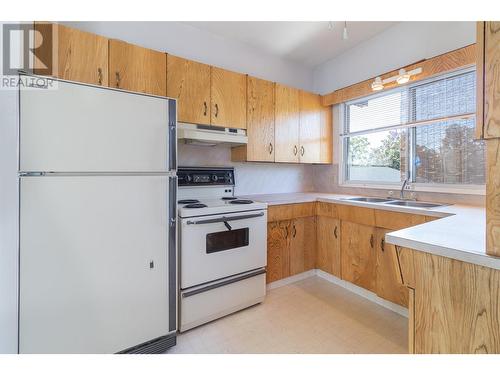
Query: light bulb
{"points": [[377, 85], [403, 77]]}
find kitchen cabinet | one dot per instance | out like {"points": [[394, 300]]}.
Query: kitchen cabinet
{"points": [[328, 245], [302, 245], [278, 266], [228, 99], [357, 243], [137, 68], [326, 135], [287, 124], [488, 80], [81, 56], [309, 127], [189, 82], [260, 123], [387, 275]]}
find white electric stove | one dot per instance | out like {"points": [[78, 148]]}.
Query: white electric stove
{"points": [[223, 246]]}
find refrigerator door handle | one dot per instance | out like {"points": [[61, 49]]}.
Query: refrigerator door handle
{"points": [[172, 134], [172, 253]]}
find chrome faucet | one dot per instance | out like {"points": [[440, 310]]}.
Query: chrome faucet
{"points": [[402, 193]]}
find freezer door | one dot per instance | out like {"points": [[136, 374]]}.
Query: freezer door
{"points": [[81, 128], [94, 263]]}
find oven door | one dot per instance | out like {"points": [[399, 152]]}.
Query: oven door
{"points": [[218, 246]]}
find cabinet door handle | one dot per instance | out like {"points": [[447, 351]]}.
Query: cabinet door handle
{"points": [[205, 108], [99, 76], [371, 241], [118, 79], [335, 232], [270, 148], [295, 150], [286, 231], [382, 244], [294, 231], [302, 150], [216, 109]]}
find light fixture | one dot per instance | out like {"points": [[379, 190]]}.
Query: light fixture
{"points": [[330, 25], [377, 85], [401, 78], [345, 36]]}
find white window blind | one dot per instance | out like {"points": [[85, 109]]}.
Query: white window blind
{"points": [[424, 131]]}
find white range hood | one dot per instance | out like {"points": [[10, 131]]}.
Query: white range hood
{"points": [[204, 135]]}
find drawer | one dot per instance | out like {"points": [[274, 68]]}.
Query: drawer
{"points": [[327, 209], [397, 220], [358, 215], [290, 211]]}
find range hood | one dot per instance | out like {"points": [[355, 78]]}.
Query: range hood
{"points": [[204, 135]]}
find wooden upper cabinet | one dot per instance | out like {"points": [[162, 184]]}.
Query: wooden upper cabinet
{"points": [[326, 135], [357, 244], [388, 278], [189, 82], [310, 127], [479, 79], [81, 56], [491, 79], [260, 120], [228, 99], [286, 135], [137, 68]]}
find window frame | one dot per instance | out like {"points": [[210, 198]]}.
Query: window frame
{"points": [[423, 187]]}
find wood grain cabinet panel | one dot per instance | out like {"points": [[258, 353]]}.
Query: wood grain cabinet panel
{"points": [[287, 122], [491, 80], [310, 127], [290, 211], [388, 285], [189, 82], [81, 56], [228, 99], [328, 245], [137, 68], [260, 123], [326, 135], [357, 244], [397, 220], [302, 245], [278, 257]]}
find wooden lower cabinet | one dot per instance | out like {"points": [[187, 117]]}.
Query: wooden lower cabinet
{"points": [[387, 277], [291, 247], [328, 245], [357, 243]]}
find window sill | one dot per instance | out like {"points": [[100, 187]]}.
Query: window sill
{"points": [[452, 189]]}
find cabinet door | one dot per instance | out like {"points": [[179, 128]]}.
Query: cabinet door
{"points": [[81, 56], [328, 252], [302, 245], [358, 256], [189, 82], [388, 285], [260, 120], [491, 79], [326, 140], [278, 266], [286, 138], [310, 127], [229, 99], [136, 68]]}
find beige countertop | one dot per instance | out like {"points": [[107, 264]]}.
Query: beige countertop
{"points": [[460, 233]]}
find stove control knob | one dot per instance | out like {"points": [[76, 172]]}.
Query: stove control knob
{"points": [[189, 178], [214, 178]]}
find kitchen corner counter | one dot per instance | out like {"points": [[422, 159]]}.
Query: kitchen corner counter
{"points": [[459, 233]]}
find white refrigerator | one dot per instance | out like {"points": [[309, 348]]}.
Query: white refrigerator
{"points": [[97, 220]]}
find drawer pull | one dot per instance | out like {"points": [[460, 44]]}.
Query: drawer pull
{"points": [[371, 241], [335, 232]]}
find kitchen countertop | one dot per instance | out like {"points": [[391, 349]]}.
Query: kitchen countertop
{"points": [[460, 233]]}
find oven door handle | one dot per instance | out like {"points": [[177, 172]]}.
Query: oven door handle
{"points": [[225, 219]]}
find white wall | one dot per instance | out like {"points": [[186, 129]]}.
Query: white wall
{"points": [[189, 42], [400, 45], [251, 178]]}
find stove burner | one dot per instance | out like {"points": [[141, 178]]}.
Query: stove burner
{"points": [[229, 198], [195, 205], [241, 201], [187, 201]]}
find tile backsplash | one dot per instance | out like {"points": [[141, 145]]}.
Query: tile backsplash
{"points": [[251, 178]]}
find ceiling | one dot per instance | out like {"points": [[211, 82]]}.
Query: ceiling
{"points": [[306, 43]]}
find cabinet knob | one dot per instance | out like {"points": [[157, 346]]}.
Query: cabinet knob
{"points": [[99, 76], [294, 231], [295, 150], [205, 108], [382, 244], [118, 79], [270, 148], [335, 232], [216, 109], [371, 241], [302, 150]]}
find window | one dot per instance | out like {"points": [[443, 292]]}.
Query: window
{"points": [[423, 131]]}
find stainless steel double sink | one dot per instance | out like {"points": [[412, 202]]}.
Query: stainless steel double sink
{"points": [[395, 202]]}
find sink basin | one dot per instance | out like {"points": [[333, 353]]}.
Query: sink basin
{"points": [[414, 204], [369, 200]]}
